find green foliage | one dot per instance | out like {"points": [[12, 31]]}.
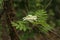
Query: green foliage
{"points": [[41, 20], [21, 25], [45, 19]]}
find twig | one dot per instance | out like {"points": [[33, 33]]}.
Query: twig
{"points": [[48, 4]]}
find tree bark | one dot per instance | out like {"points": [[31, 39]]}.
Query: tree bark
{"points": [[5, 35], [10, 14]]}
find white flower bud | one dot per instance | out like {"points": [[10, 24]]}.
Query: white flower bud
{"points": [[30, 18]]}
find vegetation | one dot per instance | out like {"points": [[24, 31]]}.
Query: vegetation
{"points": [[29, 19]]}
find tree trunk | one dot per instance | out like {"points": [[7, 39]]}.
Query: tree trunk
{"points": [[5, 35], [10, 14]]}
